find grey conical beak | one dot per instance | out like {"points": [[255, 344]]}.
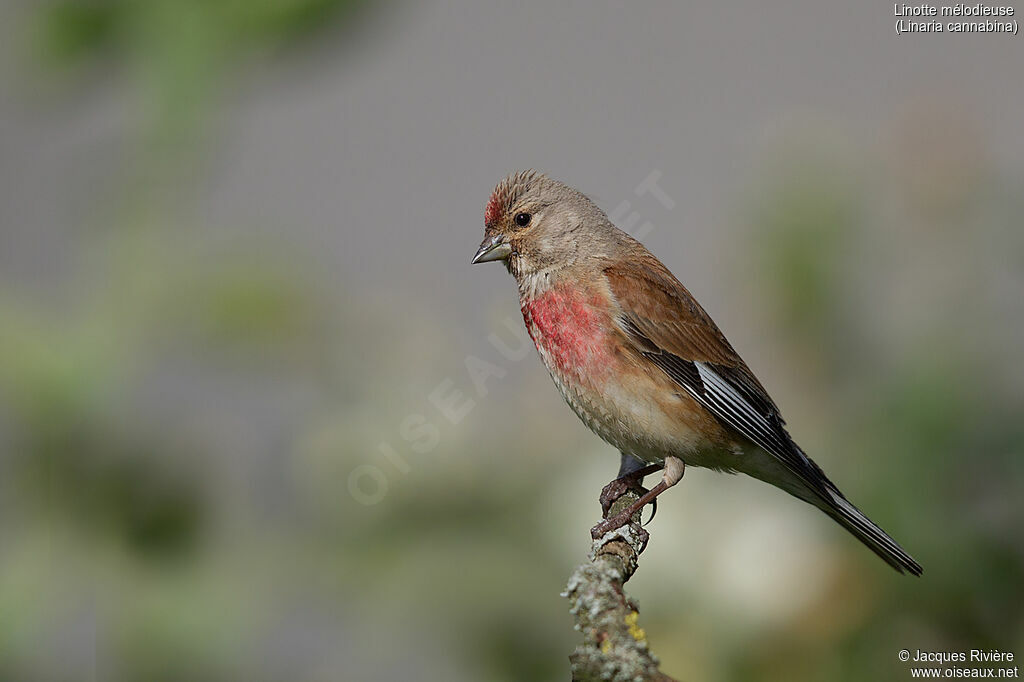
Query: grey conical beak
{"points": [[492, 248]]}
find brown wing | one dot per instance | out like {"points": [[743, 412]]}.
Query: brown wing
{"points": [[666, 314], [669, 328]]}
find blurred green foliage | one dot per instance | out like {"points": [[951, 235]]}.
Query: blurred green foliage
{"points": [[931, 438], [181, 55], [70, 31], [804, 227]]}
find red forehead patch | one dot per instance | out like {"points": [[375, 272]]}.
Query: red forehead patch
{"points": [[495, 206], [507, 193]]}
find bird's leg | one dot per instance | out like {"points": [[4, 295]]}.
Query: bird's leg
{"points": [[674, 469], [631, 464]]}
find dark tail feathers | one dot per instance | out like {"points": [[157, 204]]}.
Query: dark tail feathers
{"points": [[853, 520]]}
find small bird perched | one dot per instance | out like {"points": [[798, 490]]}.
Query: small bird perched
{"points": [[639, 361]]}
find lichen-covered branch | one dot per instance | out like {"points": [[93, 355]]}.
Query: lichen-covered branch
{"points": [[614, 646]]}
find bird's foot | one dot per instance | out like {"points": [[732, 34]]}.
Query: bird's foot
{"points": [[623, 518], [674, 468], [610, 494], [618, 487]]}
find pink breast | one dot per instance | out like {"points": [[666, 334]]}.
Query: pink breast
{"points": [[568, 328]]}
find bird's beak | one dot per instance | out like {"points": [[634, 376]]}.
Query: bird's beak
{"points": [[492, 248]]}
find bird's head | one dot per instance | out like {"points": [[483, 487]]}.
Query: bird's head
{"points": [[533, 223]]}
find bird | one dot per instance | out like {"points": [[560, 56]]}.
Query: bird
{"points": [[638, 359]]}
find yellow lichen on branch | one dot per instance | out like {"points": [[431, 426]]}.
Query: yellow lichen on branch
{"points": [[614, 646]]}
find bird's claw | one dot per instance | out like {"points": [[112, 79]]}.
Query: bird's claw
{"points": [[654, 510]]}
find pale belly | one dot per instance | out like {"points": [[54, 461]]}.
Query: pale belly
{"points": [[633, 420]]}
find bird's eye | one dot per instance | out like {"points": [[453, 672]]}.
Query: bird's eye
{"points": [[522, 219]]}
